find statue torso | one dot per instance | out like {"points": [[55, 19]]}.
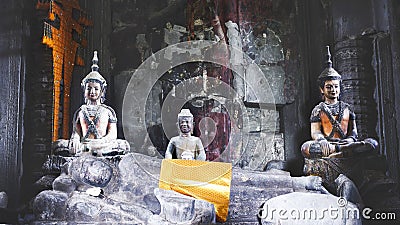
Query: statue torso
{"points": [[94, 120], [183, 144], [334, 119]]}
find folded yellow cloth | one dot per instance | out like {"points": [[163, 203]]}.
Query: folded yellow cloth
{"points": [[209, 181]]}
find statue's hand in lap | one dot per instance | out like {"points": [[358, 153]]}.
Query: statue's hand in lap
{"points": [[326, 148]]}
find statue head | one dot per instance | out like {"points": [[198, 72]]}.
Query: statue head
{"points": [[185, 121], [331, 78], [95, 80]]}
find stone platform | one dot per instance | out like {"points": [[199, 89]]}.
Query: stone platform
{"points": [[124, 190]]}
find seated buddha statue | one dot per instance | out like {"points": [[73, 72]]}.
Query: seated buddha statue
{"points": [[94, 123], [185, 146], [333, 122], [335, 147]]}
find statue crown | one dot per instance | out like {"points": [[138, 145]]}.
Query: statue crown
{"points": [[329, 73], [94, 75]]}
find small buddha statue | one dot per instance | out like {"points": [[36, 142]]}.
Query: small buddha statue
{"points": [[94, 123], [333, 122], [185, 146]]}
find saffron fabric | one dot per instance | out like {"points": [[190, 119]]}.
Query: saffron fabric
{"points": [[209, 181]]}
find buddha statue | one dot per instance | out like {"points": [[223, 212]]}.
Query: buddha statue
{"points": [[185, 146], [94, 123], [333, 122], [335, 148]]}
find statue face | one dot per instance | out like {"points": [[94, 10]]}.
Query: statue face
{"points": [[331, 89], [92, 91], [185, 124]]}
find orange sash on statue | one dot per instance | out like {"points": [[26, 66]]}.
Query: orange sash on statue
{"points": [[327, 126]]}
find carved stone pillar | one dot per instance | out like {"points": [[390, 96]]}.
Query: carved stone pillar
{"points": [[353, 61]]}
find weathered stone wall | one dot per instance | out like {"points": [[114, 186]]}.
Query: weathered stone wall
{"points": [[13, 33], [277, 58], [39, 104]]}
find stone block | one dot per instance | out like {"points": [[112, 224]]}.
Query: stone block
{"points": [[181, 209], [50, 205], [260, 149], [64, 183], [265, 84], [269, 120], [252, 120], [275, 76], [83, 209], [92, 171]]}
